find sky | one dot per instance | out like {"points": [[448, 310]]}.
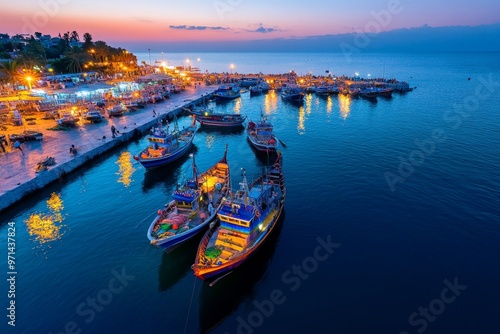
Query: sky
{"points": [[154, 21]]}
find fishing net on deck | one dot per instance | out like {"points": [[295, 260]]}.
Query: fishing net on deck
{"points": [[213, 252]]}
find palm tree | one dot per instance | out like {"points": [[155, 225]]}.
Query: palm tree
{"points": [[74, 36], [75, 59], [87, 38], [87, 42], [12, 69], [66, 37]]}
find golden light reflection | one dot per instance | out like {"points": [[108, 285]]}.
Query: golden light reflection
{"points": [[270, 102], [55, 204], [237, 106], [329, 105], [308, 103], [344, 105], [47, 227], [126, 169], [301, 126]]}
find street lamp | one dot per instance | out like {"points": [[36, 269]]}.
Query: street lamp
{"points": [[28, 78], [149, 51], [232, 68], [188, 61]]}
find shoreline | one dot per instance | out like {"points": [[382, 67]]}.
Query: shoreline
{"points": [[18, 170]]}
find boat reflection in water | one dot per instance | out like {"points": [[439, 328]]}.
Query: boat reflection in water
{"points": [[177, 263], [47, 227], [126, 168], [219, 301]]}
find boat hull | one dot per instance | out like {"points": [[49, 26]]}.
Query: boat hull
{"points": [[150, 163], [174, 241], [209, 123], [263, 147]]}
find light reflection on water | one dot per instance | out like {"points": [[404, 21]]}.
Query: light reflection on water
{"points": [[126, 168], [270, 102], [47, 227], [344, 105]]}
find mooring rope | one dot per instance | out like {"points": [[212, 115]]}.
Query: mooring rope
{"points": [[190, 303], [144, 219]]}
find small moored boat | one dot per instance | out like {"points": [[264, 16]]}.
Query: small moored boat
{"points": [[212, 119], [26, 136], [67, 120], [116, 110], [245, 220], [261, 135], [93, 116], [292, 94], [227, 92], [164, 146]]}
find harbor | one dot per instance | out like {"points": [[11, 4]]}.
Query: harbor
{"points": [[91, 140]]}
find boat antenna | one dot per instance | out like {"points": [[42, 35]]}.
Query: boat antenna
{"points": [[195, 173], [224, 159]]}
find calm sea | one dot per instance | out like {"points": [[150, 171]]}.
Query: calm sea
{"points": [[391, 222]]}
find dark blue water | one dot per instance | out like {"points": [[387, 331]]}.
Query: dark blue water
{"points": [[391, 221]]}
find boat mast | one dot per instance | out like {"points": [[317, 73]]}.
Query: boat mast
{"points": [[195, 174]]}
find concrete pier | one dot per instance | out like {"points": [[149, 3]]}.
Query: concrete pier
{"points": [[18, 177]]}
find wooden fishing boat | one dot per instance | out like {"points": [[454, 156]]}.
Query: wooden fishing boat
{"points": [[209, 118], [368, 93], [93, 116], [166, 146], [26, 135], [245, 220], [193, 206], [292, 94], [67, 120], [116, 110], [227, 92], [260, 134]]}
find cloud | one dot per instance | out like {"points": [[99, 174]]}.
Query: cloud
{"points": [[263, 30], [186, 27]]}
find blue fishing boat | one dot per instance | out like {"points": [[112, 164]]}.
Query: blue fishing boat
{"points": [[193, 206], [260, 134], [227, 92], [292, 94], [246, 219], [165, 146]]}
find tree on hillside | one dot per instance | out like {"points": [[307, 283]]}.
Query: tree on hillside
{"points": [[33, 54]]}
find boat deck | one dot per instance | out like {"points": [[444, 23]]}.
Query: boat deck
{"points": [[229, 246]]}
